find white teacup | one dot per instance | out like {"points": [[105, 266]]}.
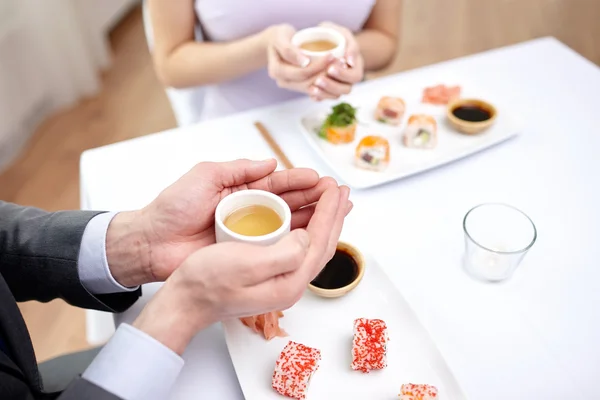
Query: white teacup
{"points": [[320, 33], [246, 198]]}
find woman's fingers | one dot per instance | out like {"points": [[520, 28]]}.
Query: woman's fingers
{"points": [[319, 94], [341, 72], [331, 86], [282, 43], [286, 74]]}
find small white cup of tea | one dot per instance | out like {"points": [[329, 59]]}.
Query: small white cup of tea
{"points": [[320, 41], [252, 216]]}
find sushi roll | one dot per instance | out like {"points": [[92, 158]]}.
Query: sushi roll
{"points": [[373, 153], [412, 391], [369, 346], [294, 368], [390, 110], [420, 132], [340, 125]]}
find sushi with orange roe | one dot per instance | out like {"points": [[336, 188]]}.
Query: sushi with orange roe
{"points": [[372, 153], [369, 346], [294, 368], [413, 391]]}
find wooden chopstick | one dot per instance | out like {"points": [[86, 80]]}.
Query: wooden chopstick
{"points": [[273, 145]]}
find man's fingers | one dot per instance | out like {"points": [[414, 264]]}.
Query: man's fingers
{"points": [[285, 256], [300, 198], [278, 293], [239, 172], [286, 181], [301, 217], [338, 223], [319, 230]]}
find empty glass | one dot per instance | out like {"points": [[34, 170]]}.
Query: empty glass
{"points": [[497, 237]]}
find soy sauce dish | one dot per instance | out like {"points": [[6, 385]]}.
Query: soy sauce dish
{"points": [[471, 116], [341, 274]]}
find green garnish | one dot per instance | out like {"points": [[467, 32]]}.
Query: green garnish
{"points": [[342, 115], [382, 120]]}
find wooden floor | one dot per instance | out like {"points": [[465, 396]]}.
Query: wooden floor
{"points": [[132, 103]]}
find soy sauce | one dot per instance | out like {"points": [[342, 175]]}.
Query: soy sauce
{"points": [[339, 272], [472, 113]]}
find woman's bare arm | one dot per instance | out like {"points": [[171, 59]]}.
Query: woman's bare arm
{"points": [[379, 38], [180, 61]]}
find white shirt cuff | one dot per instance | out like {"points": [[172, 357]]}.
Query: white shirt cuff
{"points": [[92, 265], [134, 365]]}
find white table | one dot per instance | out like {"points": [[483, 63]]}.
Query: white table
{"points": [[533, 337]]}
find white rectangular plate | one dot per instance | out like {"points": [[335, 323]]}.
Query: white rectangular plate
{"points": [[326, 324], [404, 162]]}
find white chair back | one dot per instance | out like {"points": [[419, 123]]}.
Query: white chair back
{"points": [[187, 103]]}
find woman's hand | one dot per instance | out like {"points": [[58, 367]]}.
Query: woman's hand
{"points": [[341, 75], [287, 65]]}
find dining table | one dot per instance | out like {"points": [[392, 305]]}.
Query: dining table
{"points": [[534, 336]]}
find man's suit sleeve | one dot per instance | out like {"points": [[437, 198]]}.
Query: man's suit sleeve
{"points": [[38, 257], [80, 389]]}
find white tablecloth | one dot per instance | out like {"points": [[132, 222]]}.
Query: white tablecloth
{"points": [[533, 337]]}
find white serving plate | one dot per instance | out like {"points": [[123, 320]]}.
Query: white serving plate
{"points": [[327, 325], [404, 162]]}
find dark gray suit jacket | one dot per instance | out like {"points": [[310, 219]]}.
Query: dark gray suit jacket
{"points": [[38, 261]]}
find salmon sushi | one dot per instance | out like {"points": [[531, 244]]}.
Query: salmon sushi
{"points": [[412, 391], [420, 132], [369, 346], [372, 153], [294, 368], [340, 125], [390, 110]]}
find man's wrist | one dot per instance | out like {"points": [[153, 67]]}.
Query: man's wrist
{"points": [[127, 249], [170, 319]]}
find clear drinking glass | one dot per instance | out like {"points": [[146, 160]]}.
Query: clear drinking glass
{"points": [[497, 237]]}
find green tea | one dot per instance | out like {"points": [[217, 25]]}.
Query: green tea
{"points": [[253, 221]]}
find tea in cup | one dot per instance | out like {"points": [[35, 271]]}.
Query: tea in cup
{"points": [[319, 42], [253, 216]]}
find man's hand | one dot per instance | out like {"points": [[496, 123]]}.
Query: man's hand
{"points": [[158, 238], [229, 280]]}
